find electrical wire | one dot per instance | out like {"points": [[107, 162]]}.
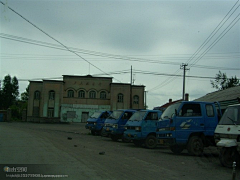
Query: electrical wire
{"points": [[54, 38]]}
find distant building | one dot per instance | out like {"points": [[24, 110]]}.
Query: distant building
{"points": [[170, 102], [225, 97], [76, 97]]}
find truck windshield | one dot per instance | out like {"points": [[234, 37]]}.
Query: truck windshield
{"points": [[170, 111], [96, 115], [138, 116], [115, 115], [231, 116]]}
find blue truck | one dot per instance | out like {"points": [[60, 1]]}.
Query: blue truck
{"points": [[141, 128], [115, 123], [96, 121], [189, 125]]}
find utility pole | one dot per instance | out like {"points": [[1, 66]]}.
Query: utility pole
{"points": [[183, 66]]}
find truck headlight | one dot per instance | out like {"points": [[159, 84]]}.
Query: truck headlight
{"points": [[115, 126], [138, 128]]}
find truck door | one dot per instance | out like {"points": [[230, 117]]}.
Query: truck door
{"points": [[189, 118], [211, 119], [149, 124]]}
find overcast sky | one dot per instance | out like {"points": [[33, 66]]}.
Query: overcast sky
{"points": [[108, 37]]}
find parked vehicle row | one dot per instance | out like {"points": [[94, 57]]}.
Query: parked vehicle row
{"points": [[187, 125]]}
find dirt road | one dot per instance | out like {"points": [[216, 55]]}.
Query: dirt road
{"points": [[69, 150]]}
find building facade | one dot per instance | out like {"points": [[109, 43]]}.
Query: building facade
{"points": [[75, 98]]}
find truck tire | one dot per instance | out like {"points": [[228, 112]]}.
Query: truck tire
{"points": [[151, 142], [176, 149], [195, 146], [228, 155]]}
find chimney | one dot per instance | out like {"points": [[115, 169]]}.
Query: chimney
{"points": [[186, 97], [170, 100]]}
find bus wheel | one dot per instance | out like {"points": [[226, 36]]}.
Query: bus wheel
{"points": [[195, 146]]}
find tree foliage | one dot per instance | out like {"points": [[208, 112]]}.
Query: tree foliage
{"points": [[222, 82], [25, 95], [9, 92]]}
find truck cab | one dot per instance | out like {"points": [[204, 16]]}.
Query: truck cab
{"points": [[115, 123], [141, 128], [227, 136], [96, 121], [189, 125]]}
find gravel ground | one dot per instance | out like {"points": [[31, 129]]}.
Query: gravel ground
{"points": [[69, 149]]}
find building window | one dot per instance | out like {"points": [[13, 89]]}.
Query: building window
{"points": [[70, 93], [81, 94], [135, 99], [92, 94], [120, 97], [103, 95], [50, 112], [51, 95], [37, 95]]}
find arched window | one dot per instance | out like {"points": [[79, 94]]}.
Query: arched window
{"points": [[81, 94], [103, 95], [120, 97], [52, 95], [135, 99], [92, 94], [37, 95], [70, 93]]}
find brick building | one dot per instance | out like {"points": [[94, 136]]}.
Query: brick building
{"points": [[76, 97]]}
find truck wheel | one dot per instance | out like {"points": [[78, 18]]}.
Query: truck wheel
{"points": [[114, 138], [228, 155], [176, 149], [151, 142], [195, 146]]}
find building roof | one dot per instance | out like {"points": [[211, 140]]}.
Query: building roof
{"points": [[225, 97], [222, 95], [87, 76]]}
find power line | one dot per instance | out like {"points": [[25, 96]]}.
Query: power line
{"points": [[218, 39], [206, 41], [213, 33], [53, 38], [116, 57]]}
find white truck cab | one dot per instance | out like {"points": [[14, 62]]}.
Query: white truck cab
{"points": [[227, 136]]}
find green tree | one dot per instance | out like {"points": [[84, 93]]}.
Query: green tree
{"points": [[9, 92], [222, 82], [25, 95]]}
